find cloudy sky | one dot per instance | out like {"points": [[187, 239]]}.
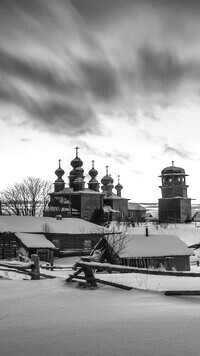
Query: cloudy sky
{"points": [[118, 78]]}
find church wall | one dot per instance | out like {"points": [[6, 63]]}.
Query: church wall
{"points": [[90, 202]]}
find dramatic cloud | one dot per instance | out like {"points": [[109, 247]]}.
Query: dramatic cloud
{"points": [[64, 64], [181, 152]]}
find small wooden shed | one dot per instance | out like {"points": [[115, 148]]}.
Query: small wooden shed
{"points": [[156, 251], [14, 244]]}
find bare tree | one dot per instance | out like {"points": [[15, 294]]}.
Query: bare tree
{"points": [[29, 197], [118, 239]]}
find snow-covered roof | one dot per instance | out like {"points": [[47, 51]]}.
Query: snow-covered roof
{"points": [[32, 224], [108, 209], [34, 240], [74, 192], [154, 246], [114, 197], [135, 206]]}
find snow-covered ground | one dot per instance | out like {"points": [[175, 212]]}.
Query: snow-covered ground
{"points": [[51, 317]]}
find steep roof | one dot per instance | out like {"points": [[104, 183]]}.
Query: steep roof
{"points": [[135, 206], [34, 240], [154, 246], [32, 224]]}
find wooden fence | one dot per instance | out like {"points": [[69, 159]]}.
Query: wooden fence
{"points": [[30, 268]]}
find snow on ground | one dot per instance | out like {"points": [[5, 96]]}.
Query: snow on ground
{"points": [[189, 233], [51, 317]]}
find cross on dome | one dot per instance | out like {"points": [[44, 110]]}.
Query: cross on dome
{"points": [[76, 148]]}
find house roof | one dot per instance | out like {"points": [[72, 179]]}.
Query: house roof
{"points": [[34, 240], [114, 197], [154, 246], [135, 206], [71, 191], [32, 224]]}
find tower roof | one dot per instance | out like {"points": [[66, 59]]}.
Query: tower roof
{"points": [[172, 170]]}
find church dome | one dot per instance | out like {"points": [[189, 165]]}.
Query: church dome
{"points": [[172, 169], [79, 171], [105, 180], [93, 173], [59, 171], [118, 186], [76, 162]]}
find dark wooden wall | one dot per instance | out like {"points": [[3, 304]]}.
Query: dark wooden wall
{"points": [[180, 263]]}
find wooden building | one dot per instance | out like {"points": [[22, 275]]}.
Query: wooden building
{"points": [[136, 212], [116, 202], [156, 251], [80, 201], [14, 244], [77, 200], [67, 234], [174, 206]]}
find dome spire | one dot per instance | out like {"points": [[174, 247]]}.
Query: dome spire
{"points": [[76, 176], [118, 187], [59, 183], [93, 183], [76, 148]]}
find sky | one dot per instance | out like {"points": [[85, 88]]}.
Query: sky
{"points": [[120, 79]]}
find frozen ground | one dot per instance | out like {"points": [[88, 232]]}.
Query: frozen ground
{"points": [[50, 317]]}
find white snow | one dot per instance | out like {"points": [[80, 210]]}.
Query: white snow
{"points": [[51, 317], [140, 245], [34, 240], [33, 224]]}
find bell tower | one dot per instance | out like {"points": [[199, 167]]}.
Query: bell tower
{"points": [[174, 206]]}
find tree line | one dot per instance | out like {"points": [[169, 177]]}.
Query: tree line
{"points": [[26, 198]]}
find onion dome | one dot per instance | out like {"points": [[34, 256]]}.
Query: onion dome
{"points": [[72, 173], [110, 185], [59, 172], [79, 171], [59, 184], [118, 186], [76, 162], [93, 172], [106, 179], [108, 189], [111, 179]]}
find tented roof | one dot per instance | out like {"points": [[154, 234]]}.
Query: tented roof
{"points": [[32, 224], [154, 246], [34, 240]]}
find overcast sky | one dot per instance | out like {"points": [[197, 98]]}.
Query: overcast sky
{"points": [[118, 78]]}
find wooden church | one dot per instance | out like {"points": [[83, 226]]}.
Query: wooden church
{"points": [[80, 201]]}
